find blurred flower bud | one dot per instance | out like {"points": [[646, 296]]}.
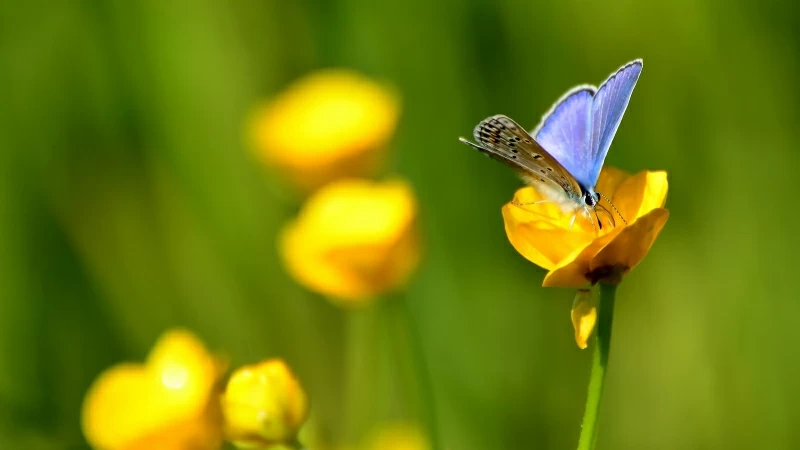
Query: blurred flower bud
{"points": [[331, 124], [354, 239], [263, 405], [584, 316], [164, 404]]}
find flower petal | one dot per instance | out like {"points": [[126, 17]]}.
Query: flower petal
{"points": [[641, 193], [584, 316], [655, 194], [536, 230], [631, 245], [572, 272], [539, 243]]}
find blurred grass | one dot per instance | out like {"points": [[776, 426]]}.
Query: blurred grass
{"points": [[129, 204]]}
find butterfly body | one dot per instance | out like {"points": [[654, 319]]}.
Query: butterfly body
{"points": [[564, 154]]}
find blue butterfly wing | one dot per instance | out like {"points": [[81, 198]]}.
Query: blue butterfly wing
{"points": [[608, 106], [564, 132]]}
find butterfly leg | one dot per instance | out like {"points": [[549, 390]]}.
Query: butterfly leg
{"points": [[589, 215], [611, 220]]}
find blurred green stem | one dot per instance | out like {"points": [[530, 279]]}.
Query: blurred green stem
{"points": [[605, 318], [403, 317], [360, 371]]}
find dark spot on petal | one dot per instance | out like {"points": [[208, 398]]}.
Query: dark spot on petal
{"points": [[537, 156]]}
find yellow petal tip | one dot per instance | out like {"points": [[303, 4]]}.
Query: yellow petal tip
{"points": [[584, 316]]}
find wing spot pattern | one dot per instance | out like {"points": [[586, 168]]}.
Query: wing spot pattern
{"points": [[502, 139]]}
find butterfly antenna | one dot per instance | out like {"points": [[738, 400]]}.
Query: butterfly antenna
{"points": [[615, 208], [471, 144]]}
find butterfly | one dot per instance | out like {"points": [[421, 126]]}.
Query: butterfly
{"points": [[562, 157]]}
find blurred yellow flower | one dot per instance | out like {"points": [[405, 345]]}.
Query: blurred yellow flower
{"points": [[579, 255], [166, 404], [354, 239], [397, 436], [263, 405], [330, 124]]}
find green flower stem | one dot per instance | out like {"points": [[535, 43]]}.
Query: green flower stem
{"points": [[405, 321], [361, 375], [605, 317]]}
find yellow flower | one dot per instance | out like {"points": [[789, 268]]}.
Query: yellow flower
{"points": [[397, 436], [331, 124], [168, 403], [581, 254], [354, 239], [263, 405]]}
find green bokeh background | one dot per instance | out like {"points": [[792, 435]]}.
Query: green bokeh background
{"points": [[129, 204]]}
